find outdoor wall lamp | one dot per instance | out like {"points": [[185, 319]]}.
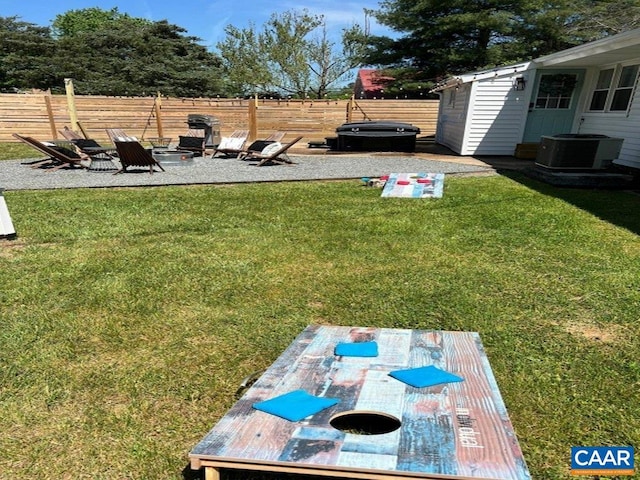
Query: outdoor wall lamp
{"points": [[519, 83]]}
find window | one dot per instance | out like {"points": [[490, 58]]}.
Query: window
{"points": [[555, 91], [599, 98], [622, 93], [614, 89]]}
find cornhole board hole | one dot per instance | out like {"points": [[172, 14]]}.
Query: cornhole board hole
{"points": [[414, 185], [381, 428]]}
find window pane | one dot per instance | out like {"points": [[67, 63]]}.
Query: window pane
{"points": [[621, 99], [604, 79], [555, 85], [628, 76], [555, 91], [599, 99]]}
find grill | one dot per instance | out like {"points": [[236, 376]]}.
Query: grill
{"points": [[378, 136], [209, 124]]}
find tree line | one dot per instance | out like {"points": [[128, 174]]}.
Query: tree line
{"points": [[107, 52]]}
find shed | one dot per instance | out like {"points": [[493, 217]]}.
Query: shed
{"points": [[588, 89]]}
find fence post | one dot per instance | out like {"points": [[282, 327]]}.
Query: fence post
{"points": [[52, 121], [158, 108], [71, 103], [350, 109], [253, 118]]}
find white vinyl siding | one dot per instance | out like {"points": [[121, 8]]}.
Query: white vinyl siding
{"points": [[620, 125], [496, 117], [451, 117]]}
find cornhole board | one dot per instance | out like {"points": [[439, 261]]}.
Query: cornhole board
{"points": [[414, 185], [447, 431], [6, 225]]}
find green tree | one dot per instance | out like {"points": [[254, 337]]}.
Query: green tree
{"points": [[448, 36], [112, 54], [596, 19], [83, 20], [441, 38], [25, 51], [291, 55]]}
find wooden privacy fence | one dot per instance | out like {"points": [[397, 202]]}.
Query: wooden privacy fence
{"points": [[42, 115]]}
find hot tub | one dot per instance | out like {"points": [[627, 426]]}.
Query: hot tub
{"points": [[376, 136], [173, 157]]}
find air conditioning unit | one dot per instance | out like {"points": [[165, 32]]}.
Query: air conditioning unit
{"points": [[575, 151]]}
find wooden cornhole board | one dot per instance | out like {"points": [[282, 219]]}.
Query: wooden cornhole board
{"points": [[455, 430], [6, 225]]}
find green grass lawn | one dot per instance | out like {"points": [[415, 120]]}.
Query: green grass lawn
{"points": [[130, 316], [17, 150]]}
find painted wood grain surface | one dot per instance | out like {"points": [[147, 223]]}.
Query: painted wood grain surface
{"points": [[453, 430]]}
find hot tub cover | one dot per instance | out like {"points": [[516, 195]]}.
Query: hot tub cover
{"points": [[377, 129], [382, 136]]}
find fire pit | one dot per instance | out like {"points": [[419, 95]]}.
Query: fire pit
{"points": [[173, 157]]}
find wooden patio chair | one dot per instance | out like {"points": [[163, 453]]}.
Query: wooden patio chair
{"points": [[259, 145], [70, 135], [275, 136], [58, 157], [193, 141], [79, 141], [133, 154], [119, 135], [274, 153], [233, 144]]}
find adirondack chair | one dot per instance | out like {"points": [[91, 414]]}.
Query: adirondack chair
{"points": [[58, 157], [259, 145], [232, 145], [133, 154], [274, 153]]}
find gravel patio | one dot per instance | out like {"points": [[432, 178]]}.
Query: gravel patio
{"points": [[18, 174]]}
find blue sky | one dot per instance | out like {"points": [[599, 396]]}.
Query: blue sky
{"points": [[205, 19]]}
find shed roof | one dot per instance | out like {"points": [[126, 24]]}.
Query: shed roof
{"points": [[481, 75]]}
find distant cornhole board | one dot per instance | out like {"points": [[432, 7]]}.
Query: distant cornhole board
{"points": [[414, 185], [6, 226]]}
